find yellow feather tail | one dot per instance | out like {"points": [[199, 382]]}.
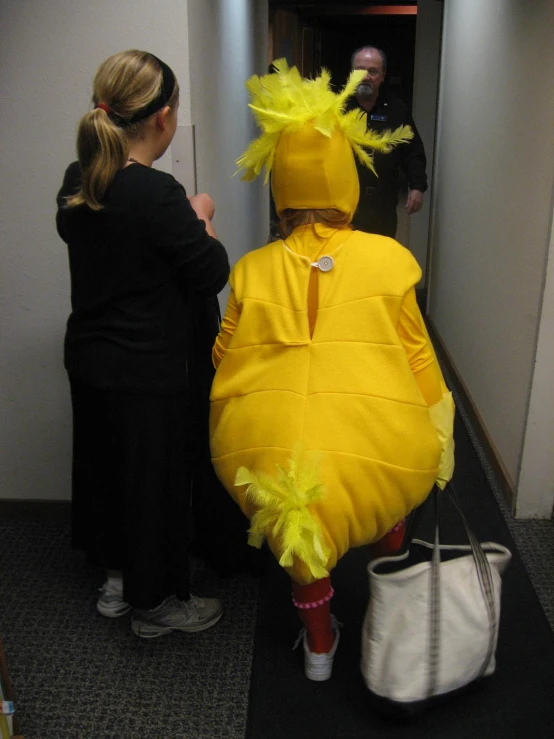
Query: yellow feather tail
{"points": [[283, 504]]}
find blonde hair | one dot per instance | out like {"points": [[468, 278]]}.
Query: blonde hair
{"points": [[126, 83], [291, 218]]}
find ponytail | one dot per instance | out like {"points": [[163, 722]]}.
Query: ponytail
{"points": [[102, 148], [128, 88]]}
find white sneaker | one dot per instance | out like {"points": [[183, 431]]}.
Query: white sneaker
{"points": [[317, 666], [110, 603], [196, 614]]}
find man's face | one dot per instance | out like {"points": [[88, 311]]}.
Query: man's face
{"points": [[371, 62]]}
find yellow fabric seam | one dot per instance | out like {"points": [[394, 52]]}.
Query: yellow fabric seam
{"points": [[320, 392], [315, 343], [422, 471]]}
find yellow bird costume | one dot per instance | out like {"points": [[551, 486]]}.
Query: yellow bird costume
{"points": [[330, 419]]}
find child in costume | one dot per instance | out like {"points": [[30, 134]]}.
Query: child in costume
{"points": [[330, 418]]}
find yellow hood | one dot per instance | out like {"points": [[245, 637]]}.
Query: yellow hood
{"points": [[308, 141], [311, 170]]}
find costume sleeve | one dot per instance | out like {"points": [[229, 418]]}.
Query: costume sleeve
{"points": [[413, 159], [425, 367], [421, 355], [181, 239], [228, 326]]}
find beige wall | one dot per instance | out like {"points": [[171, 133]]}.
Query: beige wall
{"points": [[48, 55], [492, 206], [535, 498], [228, 44], [426, 79]]}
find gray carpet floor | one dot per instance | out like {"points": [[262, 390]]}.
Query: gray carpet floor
{"points": [[78, 675]]}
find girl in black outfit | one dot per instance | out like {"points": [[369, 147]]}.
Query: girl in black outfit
{"points": [[141, 256]]}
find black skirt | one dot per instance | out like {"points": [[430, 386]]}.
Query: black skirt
{"points": [[131, 490], [220, 530]]}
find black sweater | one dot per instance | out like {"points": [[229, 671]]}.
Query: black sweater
{"points": [[380, 192], [388, 113], [138, 267]]}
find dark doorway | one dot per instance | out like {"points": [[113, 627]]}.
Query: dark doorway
{"points": [[326, 33], [316, 34]]}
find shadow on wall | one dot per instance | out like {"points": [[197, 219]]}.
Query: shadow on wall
{"points": [[37, 431]]}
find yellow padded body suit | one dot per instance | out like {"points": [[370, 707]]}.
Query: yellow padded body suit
{"points": [[354, 383]]}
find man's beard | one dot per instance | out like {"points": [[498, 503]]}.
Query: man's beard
{"points": [[365, 90]]}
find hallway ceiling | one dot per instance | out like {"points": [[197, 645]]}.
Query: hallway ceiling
{"points": [[335, 7], [315, 3]]}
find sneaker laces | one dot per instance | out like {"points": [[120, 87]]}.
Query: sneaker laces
{"points": [[107, 590], [193, 605]]}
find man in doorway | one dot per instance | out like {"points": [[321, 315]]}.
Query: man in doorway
{"points": [[376, 211]]}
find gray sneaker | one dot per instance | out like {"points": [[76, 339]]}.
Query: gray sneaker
{"points": [[197, 614], [111, 604]]}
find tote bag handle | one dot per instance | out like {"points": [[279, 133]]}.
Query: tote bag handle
{"points": [[484, 574]]}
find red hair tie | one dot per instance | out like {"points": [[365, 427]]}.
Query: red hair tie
{"points": [[104, 107]]}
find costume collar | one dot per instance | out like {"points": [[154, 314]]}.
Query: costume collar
{"points": [[316, 239]]}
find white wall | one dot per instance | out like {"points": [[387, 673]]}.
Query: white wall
{"points": [[426, 79], [49, 52], [535, 495], [228, 44], [492, 205]]}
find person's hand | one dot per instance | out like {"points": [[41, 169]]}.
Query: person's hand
{"points": [[203, 205], [414, 201], [204, 208]]}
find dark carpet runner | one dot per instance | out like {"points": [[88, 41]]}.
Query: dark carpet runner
{"points": [[516, 702]]}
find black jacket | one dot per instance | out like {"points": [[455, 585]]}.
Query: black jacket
{"points": [[389, 112], [140, 268]]}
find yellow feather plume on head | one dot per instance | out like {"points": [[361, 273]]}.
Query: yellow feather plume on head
{"points": [[283, 512], [284, 102]]}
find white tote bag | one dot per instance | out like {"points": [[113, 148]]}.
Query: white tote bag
{"points": [[431, 628]]}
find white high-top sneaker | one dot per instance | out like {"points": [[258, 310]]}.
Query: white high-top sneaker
{"points": [[319, 666]]}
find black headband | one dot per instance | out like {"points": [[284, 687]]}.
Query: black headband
{"points": [[166, 91]]}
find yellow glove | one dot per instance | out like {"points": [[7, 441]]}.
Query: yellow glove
{"points": [[442, 418]]}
